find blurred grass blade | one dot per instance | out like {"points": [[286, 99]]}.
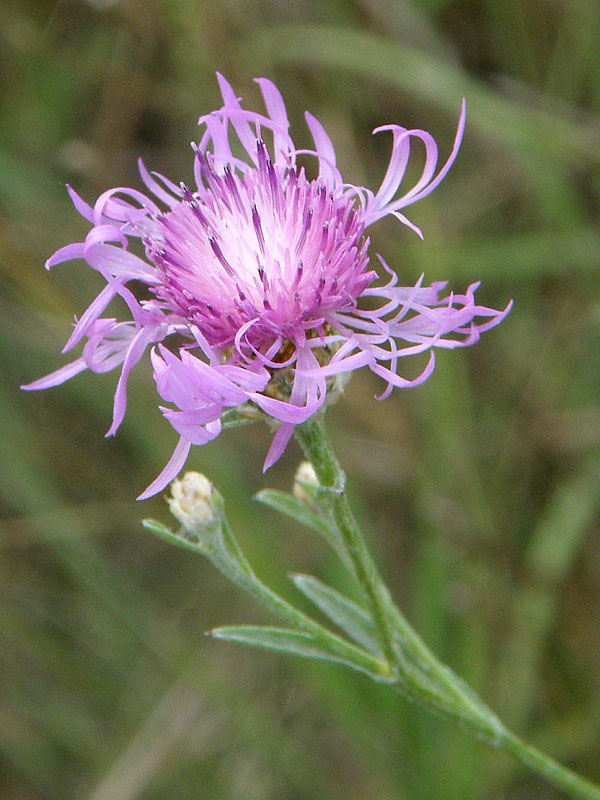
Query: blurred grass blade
{"points": [[498, 118], [554, 546]]}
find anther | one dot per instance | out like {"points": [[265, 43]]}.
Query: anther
{"points": [[299, 272], [305, 228], [262, 154], [219, 254], [258, 228]]}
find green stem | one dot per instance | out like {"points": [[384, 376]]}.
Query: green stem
{"points": [[248, 581], [554, 772], [312, 437], [419, 675]]}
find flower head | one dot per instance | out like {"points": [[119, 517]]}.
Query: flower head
{"points": [[259, 275]]}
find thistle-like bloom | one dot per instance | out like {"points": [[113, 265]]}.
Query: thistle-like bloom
{"points": [[260, 278]]}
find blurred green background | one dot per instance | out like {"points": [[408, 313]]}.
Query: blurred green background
{"points": [[480, 489]]}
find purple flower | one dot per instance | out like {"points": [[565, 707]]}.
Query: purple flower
{"points": [[258, 275]]}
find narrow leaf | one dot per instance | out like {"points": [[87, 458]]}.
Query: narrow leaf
{"points": [[346, 614], [160, 530], [284, 640], [292, 507]]}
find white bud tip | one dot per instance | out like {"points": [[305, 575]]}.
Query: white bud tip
{"points": [[191, 500], [305, 474]]}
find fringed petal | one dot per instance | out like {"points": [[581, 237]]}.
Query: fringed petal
{"points": [[307, 396], [134, 352], [280, 442], [241, 126], [155, 187], [403, 383], [193, 425], [282, 144], [341, 365], [119, 263], [56, 378], [398, 162], [86, 211], [119, 210], [325, 151], [171, 470], [89, 316], [108, 341], [383, 203], [67, 253]]}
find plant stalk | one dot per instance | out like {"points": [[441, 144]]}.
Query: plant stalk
{"points": [[312, 437], [419, 675]]}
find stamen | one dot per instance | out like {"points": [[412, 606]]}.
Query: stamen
{"points": [[187, 195], [299, 273], [258, 228], [261, 152], [194, 205], [171, 258], [219, 254], [305, 228], [231, 184], [350, 220], [275, 188], [208, 173]]}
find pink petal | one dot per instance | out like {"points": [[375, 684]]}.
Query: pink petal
{"points": [[171, 470], [56, 378], [155, 187], [278, 445], [89, 316], [66, 253], [134, 352], [84, 209], [325, 150]]}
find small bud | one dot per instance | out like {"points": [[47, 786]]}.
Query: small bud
{"points": [[305, 477], [193, 500]]}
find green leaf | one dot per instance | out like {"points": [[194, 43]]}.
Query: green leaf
{"points": [[346, 614], [292, 507], [160, 530], [282, 639]]}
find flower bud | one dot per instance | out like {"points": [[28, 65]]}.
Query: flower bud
{"points": [[193, 500], [304, 480]]}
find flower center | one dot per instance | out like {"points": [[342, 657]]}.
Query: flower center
{"points": [[266, 249]]}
